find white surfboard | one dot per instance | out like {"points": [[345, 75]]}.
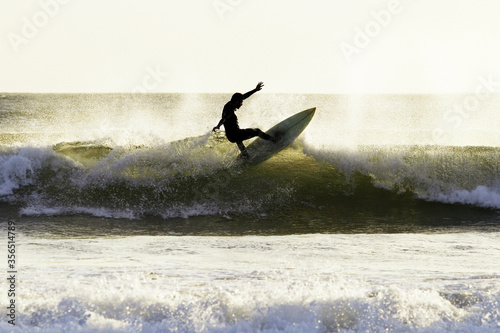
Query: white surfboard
{"points": [[286, 132]]}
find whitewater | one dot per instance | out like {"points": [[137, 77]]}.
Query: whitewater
{"points": [[133, 216]]}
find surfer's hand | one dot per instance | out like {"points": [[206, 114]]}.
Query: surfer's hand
{"points": [[259, 86], [215, 128]]}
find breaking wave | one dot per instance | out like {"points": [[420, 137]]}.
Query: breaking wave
{"points": [[200, 176]]}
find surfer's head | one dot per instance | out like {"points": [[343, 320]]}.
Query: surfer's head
{"points": [[237, 100]]}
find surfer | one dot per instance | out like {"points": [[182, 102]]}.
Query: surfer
{"points": [[233, 131]]}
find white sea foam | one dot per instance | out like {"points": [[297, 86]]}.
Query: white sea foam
{"points": [[38, 210], [19, 167], [308, 283], [481, 196]]}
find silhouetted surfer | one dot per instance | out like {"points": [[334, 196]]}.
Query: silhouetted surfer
{"points": [[233, 131]]}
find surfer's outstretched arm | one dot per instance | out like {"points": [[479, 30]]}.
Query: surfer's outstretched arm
{"points": [[251, 92]]}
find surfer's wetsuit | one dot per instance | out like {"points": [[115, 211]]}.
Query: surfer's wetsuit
{"points": [[233, 131]]}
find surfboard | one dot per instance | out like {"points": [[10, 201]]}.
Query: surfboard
{"points": [[285, 132]]}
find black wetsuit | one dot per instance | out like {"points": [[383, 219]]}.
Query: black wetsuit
{"points": [[233, 131]]}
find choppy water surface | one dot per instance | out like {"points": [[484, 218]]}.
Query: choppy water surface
{"points": [[133, 216]]}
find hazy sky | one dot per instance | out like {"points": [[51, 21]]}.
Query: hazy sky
{"points": [[313, 46]]}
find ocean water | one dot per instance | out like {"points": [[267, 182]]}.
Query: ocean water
{"points": [[132, 216]]}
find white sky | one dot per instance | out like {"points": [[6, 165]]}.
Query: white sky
{"points": [[424, 46]]}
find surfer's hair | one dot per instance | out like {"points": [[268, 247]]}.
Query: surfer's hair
{"points": [[238, 97]]}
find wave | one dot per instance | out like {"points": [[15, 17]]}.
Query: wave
{"points": [[458, 175], [199, 176]]}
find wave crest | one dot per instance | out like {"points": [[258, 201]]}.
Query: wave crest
{"points": [[198, 176]]}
